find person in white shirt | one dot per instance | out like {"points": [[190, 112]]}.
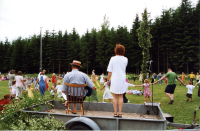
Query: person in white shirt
{"points": [[59, 89], [189, 93], [101, 80]]}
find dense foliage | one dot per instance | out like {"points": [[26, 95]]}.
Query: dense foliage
{"points": [[144, 37], [13, 118], [175, 43]]}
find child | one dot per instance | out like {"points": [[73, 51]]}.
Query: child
{"points": [[29, 89], [134, 82], [52, 91], [189, 93], [34, 81], [107, 94], [5, 100], [28, 81], [59, 89], [140, 77], [101, 80], [183, 78], [13, 89], [147, 92], [166, 81], [24, 88], [135, 92], [127, 78]]}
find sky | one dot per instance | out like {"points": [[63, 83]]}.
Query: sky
{"points": [[25, 17]]}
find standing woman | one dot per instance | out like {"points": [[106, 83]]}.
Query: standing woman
{"points": [[117, 70], [19, 84], [11, 77], [42, 81]]}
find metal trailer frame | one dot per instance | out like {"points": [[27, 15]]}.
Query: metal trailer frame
{"points": [[105, 123]]}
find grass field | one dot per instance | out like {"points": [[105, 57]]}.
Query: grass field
{"points": [[181, 110]]}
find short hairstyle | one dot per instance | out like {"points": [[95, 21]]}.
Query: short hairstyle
{"points": [[13, 82], [76, 66], [12, 72], [190, 83], [119, 49], [59, 82], [105, 78], [19, 73], [29, 85], [41, 73]]}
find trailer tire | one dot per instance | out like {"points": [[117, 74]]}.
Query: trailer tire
{"points": [[84, 122], [80, 126]]}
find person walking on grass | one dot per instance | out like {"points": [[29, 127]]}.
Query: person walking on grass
{"points": [[11, 77], [147, 92], [42, 80], [169, 90], [192, 76], [183, 77], [19, 85], [189, 93], [107, 94]]}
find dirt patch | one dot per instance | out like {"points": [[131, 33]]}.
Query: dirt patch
{"points": [[109, 114]]}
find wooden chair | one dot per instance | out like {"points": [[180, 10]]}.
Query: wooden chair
{"points": [[75, 98]]}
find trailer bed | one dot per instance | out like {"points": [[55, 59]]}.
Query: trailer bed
{"points": [[109, 114], [134, 116]]}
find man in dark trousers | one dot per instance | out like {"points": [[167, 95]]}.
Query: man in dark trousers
{"points": [[171, 84]]}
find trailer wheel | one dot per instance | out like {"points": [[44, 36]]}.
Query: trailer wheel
{"points": [[79, 126]]}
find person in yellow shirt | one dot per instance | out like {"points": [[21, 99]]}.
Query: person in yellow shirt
{"points": [[29, 89], [191, 77]]}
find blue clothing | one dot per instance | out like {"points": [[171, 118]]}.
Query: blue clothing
{"points": [[76, 77], [155, 76], [42, 86]]}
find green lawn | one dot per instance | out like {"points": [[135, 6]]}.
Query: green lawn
{"points": [[181, 110]]}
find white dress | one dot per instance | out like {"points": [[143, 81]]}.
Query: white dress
{"points": [[59, 90], [117, 66], [101, 80], [107, 94], [13, 89], [140, 79]]}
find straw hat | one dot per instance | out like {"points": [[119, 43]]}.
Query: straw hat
{"points": [[75, 62]]}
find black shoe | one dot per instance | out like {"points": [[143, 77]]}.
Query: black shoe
{"points": [[171, 102]]}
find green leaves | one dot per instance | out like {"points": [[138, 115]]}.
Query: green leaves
{"points": [[144, 42]]}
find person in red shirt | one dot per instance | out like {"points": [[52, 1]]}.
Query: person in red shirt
{"points": [[5, 100], [53, 80]]}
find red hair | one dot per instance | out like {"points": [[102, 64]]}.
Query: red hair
{"points": [[119, 49]]}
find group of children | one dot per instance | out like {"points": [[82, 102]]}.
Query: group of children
{"points": [[146, 85]]}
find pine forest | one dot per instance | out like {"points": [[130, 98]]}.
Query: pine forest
{"points": [[175, 43]]}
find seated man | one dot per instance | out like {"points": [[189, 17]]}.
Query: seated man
{"points": [[76, 77]]}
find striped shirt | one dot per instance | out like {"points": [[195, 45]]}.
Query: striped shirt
{"points": [[76, 77]]}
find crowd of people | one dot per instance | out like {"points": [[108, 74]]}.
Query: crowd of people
{"points": [[115, 85]]}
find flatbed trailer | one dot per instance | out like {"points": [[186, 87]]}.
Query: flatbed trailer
{"points": [[99, 116]]}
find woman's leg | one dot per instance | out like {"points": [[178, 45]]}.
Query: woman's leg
{"points": [[120, 103], [103, 100], [110, 100], [115, 103], [145, 99]]}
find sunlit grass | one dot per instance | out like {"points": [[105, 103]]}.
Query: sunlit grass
{"points": [[181, 110]]}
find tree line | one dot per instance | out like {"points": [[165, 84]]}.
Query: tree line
{"points": [[175, 43]]}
